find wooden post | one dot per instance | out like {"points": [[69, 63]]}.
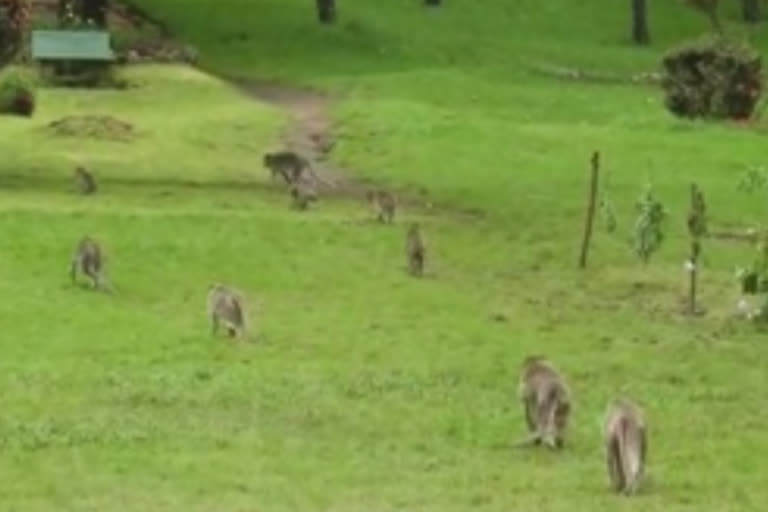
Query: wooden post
{"points": [[590, 209]]}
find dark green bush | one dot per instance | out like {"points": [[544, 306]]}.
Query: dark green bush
{"points": [[17, 94], [712, 78]]}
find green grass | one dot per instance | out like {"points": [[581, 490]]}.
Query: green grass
{"points": [[367, 389]]}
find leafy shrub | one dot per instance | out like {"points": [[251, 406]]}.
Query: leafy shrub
{"points": [[14, 15], [754, 281], [17, 94], [649, 233], [712, 78], [753, 179]]}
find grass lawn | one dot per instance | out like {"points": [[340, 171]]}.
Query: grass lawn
{"points": [[367, 389]]}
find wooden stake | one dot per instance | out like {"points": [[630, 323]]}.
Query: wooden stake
{"points": [[590, 210]]}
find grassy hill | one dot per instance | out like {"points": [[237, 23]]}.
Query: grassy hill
{"points": [[367, 389]]}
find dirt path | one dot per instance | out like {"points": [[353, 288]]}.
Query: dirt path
{"points": [[310, 131]]}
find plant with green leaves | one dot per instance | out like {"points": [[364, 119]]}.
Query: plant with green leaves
{"points": [[753, 279], [697, 228], [649, 233], [754, 178], [608, 215], [606, 210], [697, 216]]}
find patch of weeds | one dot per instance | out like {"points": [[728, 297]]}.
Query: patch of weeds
{"points": [[97, 127], [51, 432], [753, 179]]}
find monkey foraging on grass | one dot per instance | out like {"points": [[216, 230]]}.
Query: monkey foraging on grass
{"points": [[88, 259], [626, 444], [415, 249], [291, 166], [287, 164], [384, 203], [546, 402], [226, 306], [84, 181]]}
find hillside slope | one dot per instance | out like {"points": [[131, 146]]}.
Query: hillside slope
{"points": [[366, 389]]}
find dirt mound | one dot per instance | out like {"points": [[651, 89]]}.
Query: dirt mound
{"points": [[97, 127]]}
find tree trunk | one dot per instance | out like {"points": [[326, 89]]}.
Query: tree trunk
{"points": [[714, 18], [13, 22], [326, 11], [750, 11], [640, 33], [713, 11], [61, 10], [96, 11], [84, 10], [431, 3]]}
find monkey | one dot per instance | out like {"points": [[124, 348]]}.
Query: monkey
{"points": [[288, 164], [546, 402], [303, 194], [291, 166], [88, 259], [415, 249], [84, 181], [226, 305], [625, 445], [384, 203]]}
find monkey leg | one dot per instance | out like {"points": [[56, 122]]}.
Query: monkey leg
{"points": [[94, 277], [529, 416], [531, 440], [613, 462], [417, 264], [554, 442]]}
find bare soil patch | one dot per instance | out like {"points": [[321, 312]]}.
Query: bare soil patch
{"points": [[310, 133], [97, 127]]}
